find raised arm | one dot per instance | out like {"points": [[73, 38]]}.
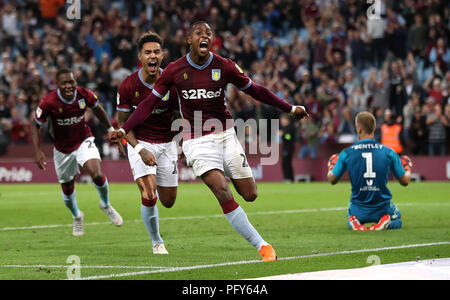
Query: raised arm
{"points": [[264, 95], [147, 157], [101, 114]]}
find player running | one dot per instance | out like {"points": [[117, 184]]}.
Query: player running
{"points": [[201, 78], [73, 142], [152, 139], [369, 164]]}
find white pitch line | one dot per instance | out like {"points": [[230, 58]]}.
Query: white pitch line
{"points": [[181, 218], [176, 269], [294, 211], [81, 267]]}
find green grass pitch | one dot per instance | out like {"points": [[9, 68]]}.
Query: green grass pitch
{"points": [[304, 222]]}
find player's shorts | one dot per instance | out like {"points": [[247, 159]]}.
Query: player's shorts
{"points": [[369, 215], [67, 164], [166, 170], [220, 151]]}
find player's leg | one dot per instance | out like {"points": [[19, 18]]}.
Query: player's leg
{"points": [[236, 167], [396, 217], [145, 177], [66, 168], [167, 174], [93, 168], [205, 156], [389, 218], [89, 158], [167, 195], [69, 197], [246, 187], [234, 213], [149, 211], [356, 217]]}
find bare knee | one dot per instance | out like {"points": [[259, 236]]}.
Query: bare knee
{"points": [[167, 202], [250, 196], [98, 178], [146, 193]]}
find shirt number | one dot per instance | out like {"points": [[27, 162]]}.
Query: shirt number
{"points": [[369, 165]]}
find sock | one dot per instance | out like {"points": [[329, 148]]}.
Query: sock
{"points": [[71, 203], [237, 217], [103, 192], [150, 216]]}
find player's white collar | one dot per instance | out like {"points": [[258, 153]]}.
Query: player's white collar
{"points": [[64, 100], [206, 64], [142, 79]]}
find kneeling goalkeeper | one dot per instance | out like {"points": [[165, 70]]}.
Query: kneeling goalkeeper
{"points": [[369, 164]]}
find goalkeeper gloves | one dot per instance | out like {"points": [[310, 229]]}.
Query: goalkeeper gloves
{"points": [[406, 162]]}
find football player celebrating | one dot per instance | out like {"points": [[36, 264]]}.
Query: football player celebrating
{"points": [[73, 142], [151, 140], [200, 78], [369, 164]]}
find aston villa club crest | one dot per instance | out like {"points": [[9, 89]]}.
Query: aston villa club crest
{"points": [[215, 74], [82, 104]]}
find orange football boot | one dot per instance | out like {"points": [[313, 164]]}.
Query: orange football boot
{"points": [[267, 253]]}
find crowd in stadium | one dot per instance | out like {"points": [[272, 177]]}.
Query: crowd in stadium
{"points": [[335, 57]]}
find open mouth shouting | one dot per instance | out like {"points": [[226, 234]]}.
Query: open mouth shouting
{"points": [[152, 66], [68, 93], [203, 47]]}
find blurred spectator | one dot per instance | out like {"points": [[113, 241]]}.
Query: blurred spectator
{"points": [[378, 88], [5, 124], [19, 128], [433, 87], [447, 116], [346, 131], [310, 139], [325, 55], [287, 135], [391, 131], [418, 133], [376, 28], [436, 122], [440, 55], [417, 36], [397, 95]]}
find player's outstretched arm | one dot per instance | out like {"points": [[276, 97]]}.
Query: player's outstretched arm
{"points": [[144, 109], [265, 96], [407, 165], [147, 157], [333, 179], [36, 136], [101, 114]]}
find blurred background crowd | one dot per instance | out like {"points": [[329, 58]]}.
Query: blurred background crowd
{"points": [[335, 57]]}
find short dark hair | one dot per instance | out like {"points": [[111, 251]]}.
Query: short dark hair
{"points": [[62, 71], [191, 29], [149, 37]]}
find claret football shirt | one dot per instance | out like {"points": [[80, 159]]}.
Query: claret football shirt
{"points": [[157, 127], [201, 90], [66, 122]]}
